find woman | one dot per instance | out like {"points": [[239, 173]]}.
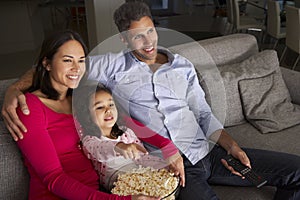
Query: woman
{"points": [[57, 166]]}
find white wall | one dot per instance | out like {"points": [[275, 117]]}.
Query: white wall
{"points": [[21, 26], [100, 24]]}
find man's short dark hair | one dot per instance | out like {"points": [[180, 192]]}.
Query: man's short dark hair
{"points": [[128, 12]]}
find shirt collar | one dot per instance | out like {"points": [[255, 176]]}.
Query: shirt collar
{"points": [[159, 50]]}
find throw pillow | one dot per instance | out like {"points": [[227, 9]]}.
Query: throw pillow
{"points": [[258, 65], [267, 103]]}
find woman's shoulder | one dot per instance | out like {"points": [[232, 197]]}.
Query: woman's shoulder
{"points": [[35, 106], [32, 98]]}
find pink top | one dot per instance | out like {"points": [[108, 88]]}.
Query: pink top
{"points": [[57, 166], [108, 162]]}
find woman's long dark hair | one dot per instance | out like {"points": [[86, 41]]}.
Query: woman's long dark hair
{"points": [[50, 46], [82, 99]]}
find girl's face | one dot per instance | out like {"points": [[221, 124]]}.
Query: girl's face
{"points": [[104, 111], [67, 66]]}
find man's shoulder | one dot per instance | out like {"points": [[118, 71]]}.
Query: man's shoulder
{"points": [[174, 57], [108, 57]]}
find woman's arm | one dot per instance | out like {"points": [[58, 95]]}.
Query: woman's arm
{"points": [[40, 152]]}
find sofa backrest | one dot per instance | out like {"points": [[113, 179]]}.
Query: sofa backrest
{"points": [[223, 50], [13, 175], [207, 55]]}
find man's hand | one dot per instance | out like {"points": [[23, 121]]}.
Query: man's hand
{"points": [[14, 98], [238, 153], [130, 151], [176, 165], [231, 146]]}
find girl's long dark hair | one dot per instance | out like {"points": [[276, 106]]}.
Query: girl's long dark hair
{"points": [[82, 99], [41, 78]]}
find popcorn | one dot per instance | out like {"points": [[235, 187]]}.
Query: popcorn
{"points": [[147, 181]]}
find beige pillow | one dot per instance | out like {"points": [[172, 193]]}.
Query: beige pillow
{"points": [[258, 65], [267, 103]]}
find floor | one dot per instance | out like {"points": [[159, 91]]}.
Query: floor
{"points": [[198, 23]]}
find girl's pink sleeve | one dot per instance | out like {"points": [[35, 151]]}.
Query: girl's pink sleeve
{"points": [[147, 135], [99, 149], [39, 150]]}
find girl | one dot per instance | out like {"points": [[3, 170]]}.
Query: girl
{"points": [[111, 147]]}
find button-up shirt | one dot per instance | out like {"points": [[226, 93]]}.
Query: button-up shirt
{"points": [[170, 100]]}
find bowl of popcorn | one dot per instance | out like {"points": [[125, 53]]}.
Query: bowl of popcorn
{"points": [[147, 181]]}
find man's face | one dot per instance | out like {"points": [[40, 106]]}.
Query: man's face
{"points": [[142, 39]]}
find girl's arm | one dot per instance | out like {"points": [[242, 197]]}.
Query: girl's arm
{"points": [[103, 150], [169, 150], [40, 152], [100, 149]]}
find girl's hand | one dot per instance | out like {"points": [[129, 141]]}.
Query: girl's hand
{"points": [[142, 197], [130, 151], [176, 165]]}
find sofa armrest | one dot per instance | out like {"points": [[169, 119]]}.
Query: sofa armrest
{"points": [[292, 81]]}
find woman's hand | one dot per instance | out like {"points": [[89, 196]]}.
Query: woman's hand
{"points": [[130, 151], [238, 153], [142, 197], [176, 165], [13, 98]]}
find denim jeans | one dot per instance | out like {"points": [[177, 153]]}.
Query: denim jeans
{"points": [[280, 169]]}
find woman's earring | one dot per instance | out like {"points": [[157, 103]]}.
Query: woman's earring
{"points": [[46, 64]]}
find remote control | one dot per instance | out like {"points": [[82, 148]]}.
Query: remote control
{"points": [[247, 172]]}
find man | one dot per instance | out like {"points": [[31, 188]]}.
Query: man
{"points": [[161, 90]]}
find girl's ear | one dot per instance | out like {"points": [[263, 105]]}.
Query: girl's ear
{"points": [[46, 64]]}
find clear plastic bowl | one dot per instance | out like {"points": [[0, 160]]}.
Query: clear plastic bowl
{"points": [[131, 167]]}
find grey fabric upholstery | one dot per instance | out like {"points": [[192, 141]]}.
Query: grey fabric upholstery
{"points": [[13, 175], [223, 51]]}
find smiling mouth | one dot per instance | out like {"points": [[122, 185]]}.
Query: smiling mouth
{"points": [[149, 50], [73, 77], [109, 118]]}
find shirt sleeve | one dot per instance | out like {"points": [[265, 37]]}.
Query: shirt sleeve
{"points": [[40, 152], [147, 135], [197, 103], [100, 149]]}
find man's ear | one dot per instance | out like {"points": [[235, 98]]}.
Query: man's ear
{"points": [[46, 64], [123, 39]]}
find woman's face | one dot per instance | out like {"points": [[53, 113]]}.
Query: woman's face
{"points": [[67, 66], [104, 112]]}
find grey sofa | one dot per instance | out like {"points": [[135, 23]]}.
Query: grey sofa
{"points": [[223, 51]]}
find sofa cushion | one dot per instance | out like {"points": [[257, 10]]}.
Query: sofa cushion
{"points": [[14, 176], [267, 103], [248, 136], [244, 193], [3, 86]]}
